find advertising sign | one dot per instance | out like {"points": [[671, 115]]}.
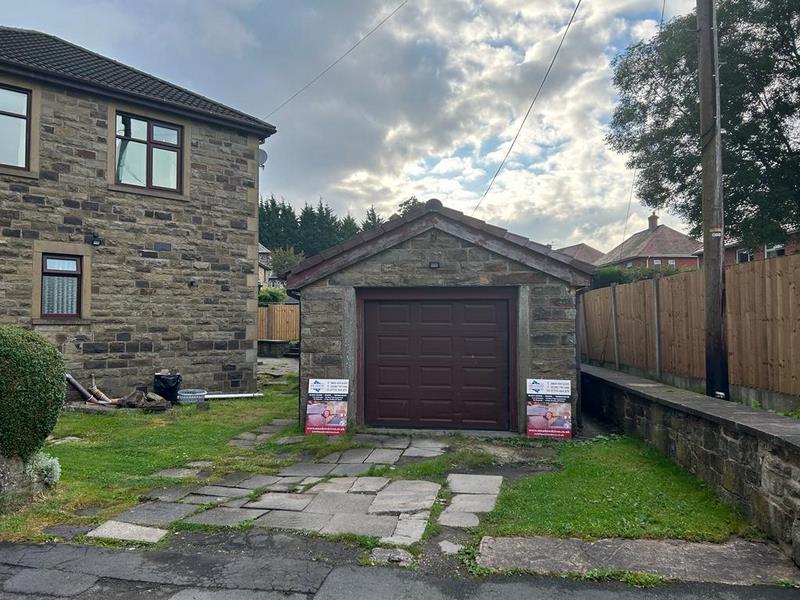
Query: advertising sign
{"points": [[549, 410], [326, 408]]}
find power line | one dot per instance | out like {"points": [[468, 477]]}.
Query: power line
{"points": [[535, 97], [337, 61]]}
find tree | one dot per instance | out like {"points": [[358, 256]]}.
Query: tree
{"points": [[318, 229], [277, 223], [373, 220], [409, 205], [284, 259], [348, 227], [656, 121], [270, 295]]}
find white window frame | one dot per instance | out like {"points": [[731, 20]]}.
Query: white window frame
{"points": [[671, 262], [656, 262], [774, 249], [747, 251]]}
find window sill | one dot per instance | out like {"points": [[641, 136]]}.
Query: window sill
{"points": [[145, 192], [66, 321], [23, 173]]}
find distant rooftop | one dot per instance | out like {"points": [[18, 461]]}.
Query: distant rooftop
{"points": [[49, 58], [582, 252], [655, 241]]}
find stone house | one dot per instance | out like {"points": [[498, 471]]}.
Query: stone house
{"points": [[437, 319], [128, 218], [658, 247]]}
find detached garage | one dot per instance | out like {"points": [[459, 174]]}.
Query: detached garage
{"points": [[437, 319]]}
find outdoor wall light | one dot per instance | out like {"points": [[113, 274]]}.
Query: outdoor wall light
{"points": [[95, 240]]}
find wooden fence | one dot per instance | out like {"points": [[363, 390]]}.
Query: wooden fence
{"points": [[279, 322], [658, 325]]}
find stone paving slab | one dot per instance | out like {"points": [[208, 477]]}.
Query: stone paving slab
{"points": [[242, 443], [199, 464], [169, 494], [355, 455], [334, 503], [300, 521], [383, 456], [222, 491], [333, 457], [307, 470], [67, 532], [156, 513], [405, 496], [240, 594], [414, 452], [198, 499], [452, 518], [258, 481], [179, 473], [233, 479], [474, 484], [337, 484], [279, 501], [372, 525], [117, 530], [285, 484], [350, 470], [225, 516], [473, 503], [50, 582], [734, 562], [407, 532], [292, 439], [368, 485], [428, 443]]}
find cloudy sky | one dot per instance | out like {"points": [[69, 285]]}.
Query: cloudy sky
{"points": [[426, 106]]}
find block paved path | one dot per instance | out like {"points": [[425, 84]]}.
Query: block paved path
{"points": [[269, 568]]}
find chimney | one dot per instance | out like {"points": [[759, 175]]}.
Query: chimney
{"points": [[652, 222]]}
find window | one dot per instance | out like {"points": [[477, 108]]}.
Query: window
{"points": [[774, 250], [744, 255], [656, 262], [629, 265], [15, 108], [671, 262], [61, 286], [148, 153]]}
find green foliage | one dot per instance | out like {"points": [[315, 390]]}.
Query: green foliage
{"points": [[277, 224], [32, 390], [270, 295], [373, 220], [613, 488], [605, 276], [284, 259], [43, 467], [407, 206], [656, 121], [348, 227], [634, 578]]}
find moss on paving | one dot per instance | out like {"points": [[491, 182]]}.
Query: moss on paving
{"points": [[615, 487]]}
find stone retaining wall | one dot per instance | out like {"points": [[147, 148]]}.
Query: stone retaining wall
{"points": [[750, 457]]}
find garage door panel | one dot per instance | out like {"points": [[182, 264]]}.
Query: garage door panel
{"points": [[437, 363]]}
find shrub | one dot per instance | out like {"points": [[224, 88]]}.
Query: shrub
{"points": [[270, 295], [605, 276], [43, 468], [32, 391]]}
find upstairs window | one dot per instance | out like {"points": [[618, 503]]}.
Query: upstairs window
{"points": [[149, 153], [744, 255], [61, 286], [774, 250], [15, 108]]}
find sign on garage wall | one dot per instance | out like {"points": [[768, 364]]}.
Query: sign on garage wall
{"points": [[326, 408], [549, 409]]}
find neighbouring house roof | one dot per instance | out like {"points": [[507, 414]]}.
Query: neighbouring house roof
{"points": [[655, 241], [582, 252], [49, 58], [262, 249], [432, 215], [264, 256]]}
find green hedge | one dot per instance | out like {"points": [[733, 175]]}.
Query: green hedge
{"points": [[32, 390]]}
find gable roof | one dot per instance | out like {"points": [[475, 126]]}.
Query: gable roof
{"points": [[49, 58], [582, 252], [661, 241], [432, 215]]}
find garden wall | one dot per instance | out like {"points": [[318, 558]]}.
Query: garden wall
{"points": [[750, 457]]}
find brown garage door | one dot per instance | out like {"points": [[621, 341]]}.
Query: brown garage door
{"points": [[437, 363]]}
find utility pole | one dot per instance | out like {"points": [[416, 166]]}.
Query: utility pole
{"points": [[713, 222]]}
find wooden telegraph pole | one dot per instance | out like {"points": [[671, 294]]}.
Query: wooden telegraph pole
{"points": [[713, 222]]}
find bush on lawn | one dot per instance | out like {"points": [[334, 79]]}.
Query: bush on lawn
{"points": [[43, 468], [32, 391]]}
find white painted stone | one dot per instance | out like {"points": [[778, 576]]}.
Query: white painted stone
{"points": [[117, 530]]}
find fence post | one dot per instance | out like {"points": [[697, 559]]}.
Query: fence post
{"points": [[614, 323], [657, 321]]}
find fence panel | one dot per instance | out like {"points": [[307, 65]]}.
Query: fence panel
{"points": [[762, 314], [279, 322]]}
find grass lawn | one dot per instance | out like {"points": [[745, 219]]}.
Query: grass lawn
{"points": [[118, 453], [616, 487]]}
